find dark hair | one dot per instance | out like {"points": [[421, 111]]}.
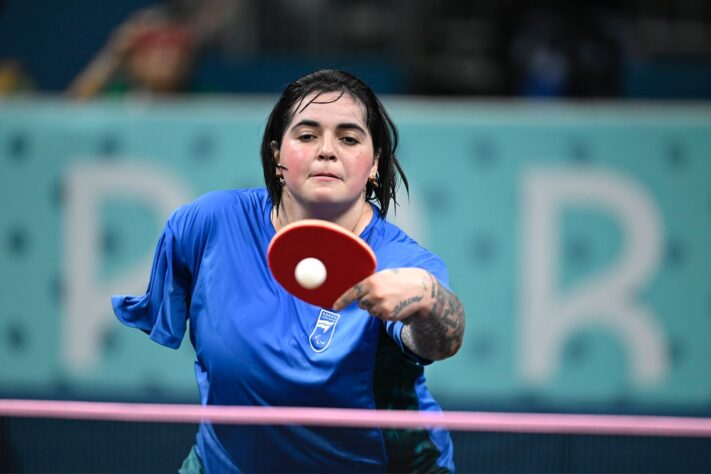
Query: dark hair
{"points": [[380, 125]]}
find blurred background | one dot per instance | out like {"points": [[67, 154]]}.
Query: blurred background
{"points": [[654, 49], [559, 155]]}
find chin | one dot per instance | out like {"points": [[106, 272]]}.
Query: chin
{"points": [[329, 200], [324, 195]]}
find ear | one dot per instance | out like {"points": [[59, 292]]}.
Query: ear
{"points": [[374, 169], [275, 151]]}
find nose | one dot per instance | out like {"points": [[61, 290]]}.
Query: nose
{"points": [[326, 150]]}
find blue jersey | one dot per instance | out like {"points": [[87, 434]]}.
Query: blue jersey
{"points": [[256, 345]]}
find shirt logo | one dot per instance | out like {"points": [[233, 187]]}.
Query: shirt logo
{"points": [[322, 334]]}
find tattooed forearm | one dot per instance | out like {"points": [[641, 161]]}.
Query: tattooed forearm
{"points": [[438, 334], [404, 304]]}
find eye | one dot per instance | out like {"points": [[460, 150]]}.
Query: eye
{"points": [[306, 137], [350, 140]]}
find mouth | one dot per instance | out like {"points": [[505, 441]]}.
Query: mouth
{"points": [[325, 175]]}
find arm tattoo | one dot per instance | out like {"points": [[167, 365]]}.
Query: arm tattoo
{"points": [[404, 304], [439, 334]]}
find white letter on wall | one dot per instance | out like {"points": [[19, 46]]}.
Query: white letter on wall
{"points": [[609, 299], [88, 301]]}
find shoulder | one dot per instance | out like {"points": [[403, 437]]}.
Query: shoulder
{"points": [[217, 203], [211, 209]]}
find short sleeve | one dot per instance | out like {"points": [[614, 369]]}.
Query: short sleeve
{"points": [[162, 312]]}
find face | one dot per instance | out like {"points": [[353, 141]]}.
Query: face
{"points": [[328, 153]]}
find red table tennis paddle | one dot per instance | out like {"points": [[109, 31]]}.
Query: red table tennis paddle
{"points": [[346, 257]]}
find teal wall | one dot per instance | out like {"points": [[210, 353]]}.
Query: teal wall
{"points": [[577, 237]]}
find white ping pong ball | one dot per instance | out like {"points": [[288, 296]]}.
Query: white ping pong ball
{"points": [[310, 273]]}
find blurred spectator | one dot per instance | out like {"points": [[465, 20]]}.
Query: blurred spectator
{"points": [[561, 52], [156, 50], [152, 52], [14, 78]]}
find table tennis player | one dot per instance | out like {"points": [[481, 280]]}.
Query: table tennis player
{"points": [[328, 153]]}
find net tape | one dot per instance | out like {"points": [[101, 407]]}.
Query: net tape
{"points": [[357, 418]]}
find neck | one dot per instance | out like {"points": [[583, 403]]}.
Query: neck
{"points": [[354, 218]]}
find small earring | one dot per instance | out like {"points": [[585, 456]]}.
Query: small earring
{"points": [[281, 181], [373, 181]]}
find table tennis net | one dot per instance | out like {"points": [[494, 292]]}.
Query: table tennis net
{"points": [[46, 436]]}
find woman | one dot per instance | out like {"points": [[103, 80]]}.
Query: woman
{"points": [[328, 152]]}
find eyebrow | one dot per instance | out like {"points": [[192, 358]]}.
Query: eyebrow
{"points": [[340, 126]]}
